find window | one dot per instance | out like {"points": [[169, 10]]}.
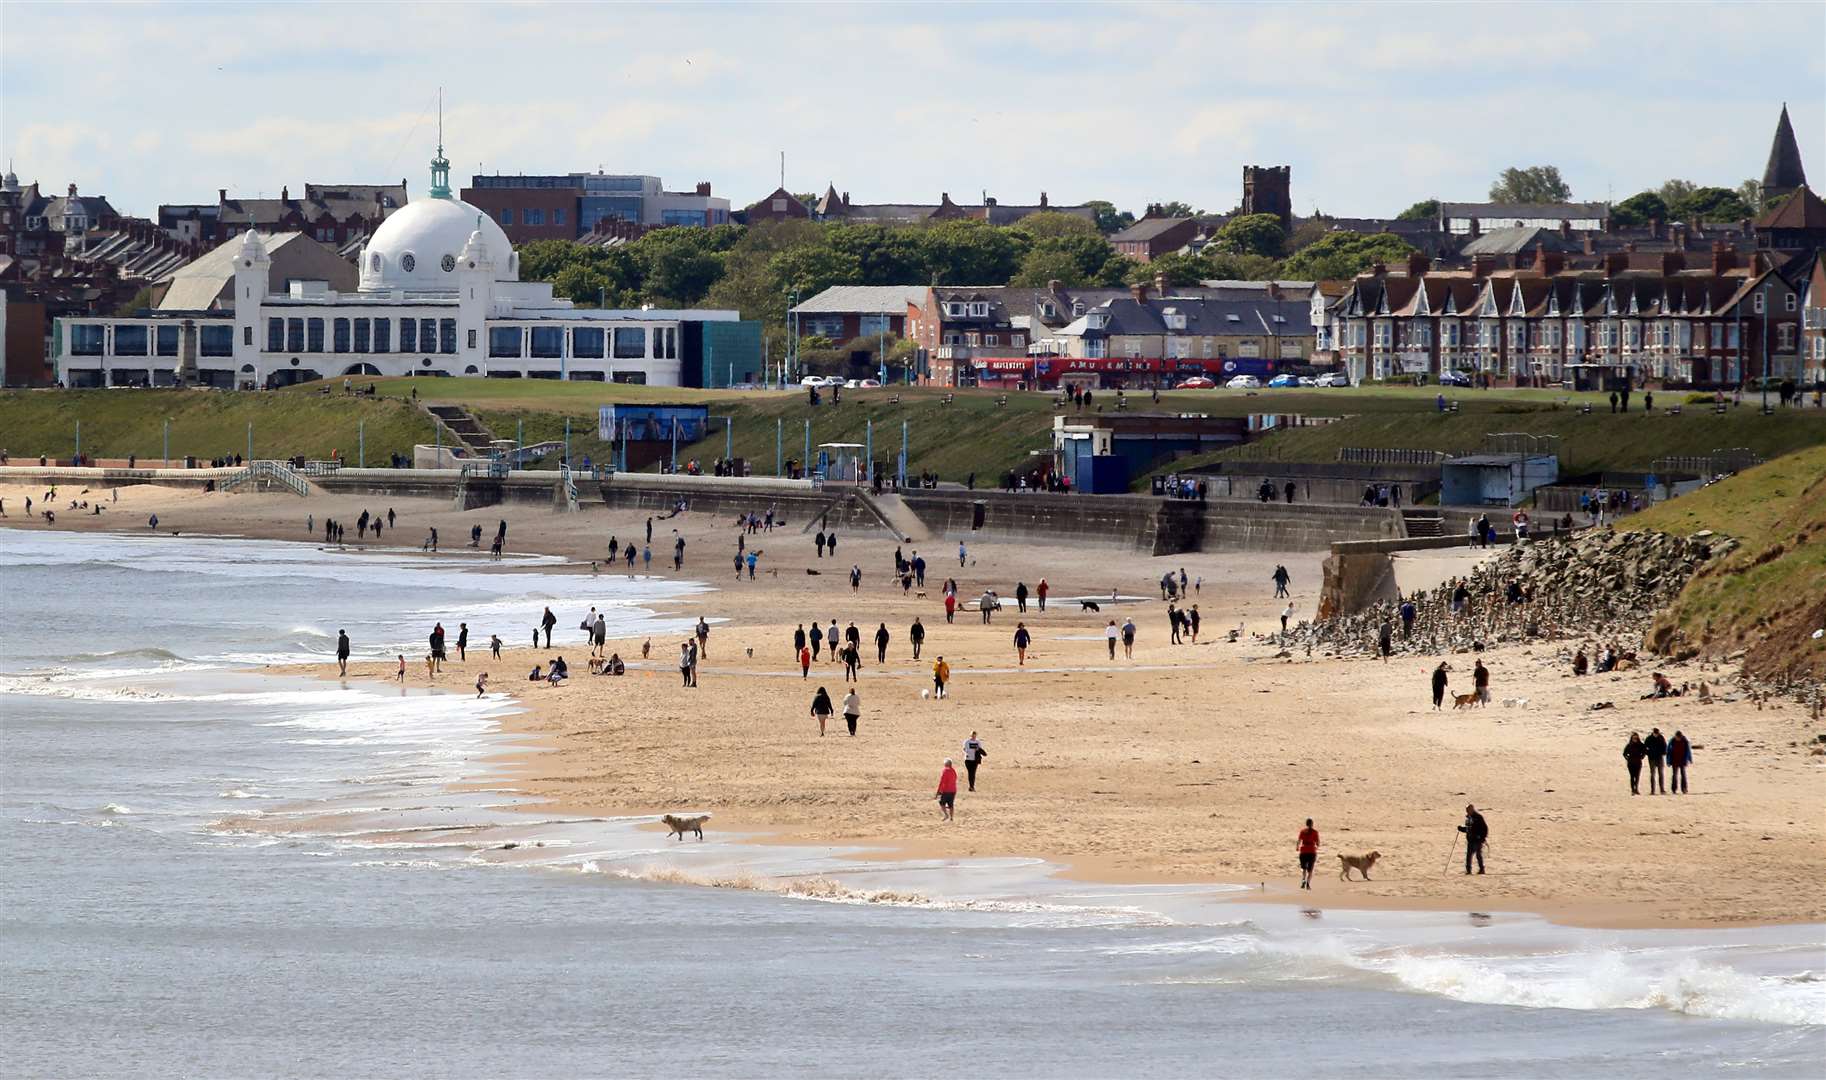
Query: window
{"points": [[247, 336], [587, 342], [558, 216], [507, 217], [427, 335], [339, 335], [532, 216], [504, 341], [129, 340], [630, 343], [973, 339], [779, 206], [681, 217], [472, 341], [383, 335], [1784, 337], [313, 335], [548, 341], [167, 341], [1789, 302], [824, 326], [361, 335], [672, 343], [992, 340], [275, 335], [294, 335], [1757, 304], [218, 340], [86, 339], [1019, 341], [874, 325], [448, 263], [446, 336], [408, 335], [659, 343], [979, 310], [408, 262], [1097, 348]]}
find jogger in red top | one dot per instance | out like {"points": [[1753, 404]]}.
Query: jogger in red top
{"points": [[1309, 853], [947, 790]]}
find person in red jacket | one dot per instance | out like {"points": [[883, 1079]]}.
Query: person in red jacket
{"points": [[950, 606], [1041, 592], [1309, 853], [947, 790]]}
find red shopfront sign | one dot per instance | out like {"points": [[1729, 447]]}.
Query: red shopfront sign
{"points": [[1052, 367]]}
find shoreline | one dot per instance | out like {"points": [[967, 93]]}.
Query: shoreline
{"points": [[561, 760]]}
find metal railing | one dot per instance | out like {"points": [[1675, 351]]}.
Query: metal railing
{"points": [[1716, 463], [1382, 455], [272, 471]]}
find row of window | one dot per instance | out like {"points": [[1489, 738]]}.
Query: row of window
{"points": [[296, 335], [1609, 334], [987, 341], [140, 339], [532, 215], [587, 342]]}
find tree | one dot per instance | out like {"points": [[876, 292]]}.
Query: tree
{"points": [[1177, 268], [1711, 204], [883, 256], [1345, 255], [811, 269], [1533, 184], [1751, 192], [1228, 267], [971, 253], [1174, 209], [1251, 234], [1424, 210], [1050, 223], [1308, 231], [1109, 219], [678, 266], [1639, 210], [1674, 192], [1076, 260]]}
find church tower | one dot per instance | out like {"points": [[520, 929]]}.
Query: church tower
{"points": [[1783, 175]]}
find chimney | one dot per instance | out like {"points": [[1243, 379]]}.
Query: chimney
{"points": [[221, 195], [988, 200], [703, 187], [1381, 269], [1565, 229], [1723, 258], [1550, 262], [1654, 228], [1160, 284], [1476, 229], [1587, 246], [1629, 247], [1672, 262], [1540, 256], [846, 198], [1140, 292], [1417, 263], [1274, 290], [1042, 200], [1615, 262], [72, 191], [1481, 265], [285, 193], [1052, 285]]}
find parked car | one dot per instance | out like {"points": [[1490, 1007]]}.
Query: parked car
{"points": [[1332, 378], [1455, 378], [1308, 380], [869, 384], [1244, 382], [1283, 381], [1196, 382]]}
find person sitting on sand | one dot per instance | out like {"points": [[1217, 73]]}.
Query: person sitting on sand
{"points": [[1580, 664], [560, 671], [614, 666], [537, 676]]}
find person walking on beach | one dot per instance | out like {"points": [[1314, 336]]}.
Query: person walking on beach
{"points": [[437, 647], [941, 674], [986, 605], [962, 554], [817, 639], [389, 517], [1022, 639], [950, 606], [1173, 621], [1480, 681], [852, 663], [546, 622], [1656, 747], [819, 541], [684, 662], [462, 642], [1128, 638], [973, 756], [1308, 845], [917, 635], [1385, 639], [805, 662], [678, 554], [821, 709], [1110, 634], [1286, 614], [881, 643], [342, 652], [1476, 831], [482, 684], [646, 557], [600, 639], [1439, 685], [855, 576], [947, 790], [400, 676], [703, 637], [1020, 596], [494, 646], [831, 638], [852, 711], [1039, 593], [1679, 756], [1407, 619], [1633, 753], [1192, 622], [1280, 579]]}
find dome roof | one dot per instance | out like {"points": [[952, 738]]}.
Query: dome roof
{"points": [[420, 246]]}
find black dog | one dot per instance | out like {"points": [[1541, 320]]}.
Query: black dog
{"points": [[1090, 605]]}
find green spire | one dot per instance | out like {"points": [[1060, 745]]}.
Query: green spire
{"points": [[440, 166]]}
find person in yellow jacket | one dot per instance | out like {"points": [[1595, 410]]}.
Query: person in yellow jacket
{"points": [[941, 674]]}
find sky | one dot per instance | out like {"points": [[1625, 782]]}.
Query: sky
{"points": [[1374, 106]]}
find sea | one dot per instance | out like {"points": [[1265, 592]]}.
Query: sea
{"points": [[212, 867]]}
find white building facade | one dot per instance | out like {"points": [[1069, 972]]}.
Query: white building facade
{"points": [[439, 295]]}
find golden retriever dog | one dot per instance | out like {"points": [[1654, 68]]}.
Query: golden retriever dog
{"points": [[679, 826], [1465, 701], [1360, 863]]}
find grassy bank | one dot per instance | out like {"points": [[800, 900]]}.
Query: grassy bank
{"points": [[1769, 596]]}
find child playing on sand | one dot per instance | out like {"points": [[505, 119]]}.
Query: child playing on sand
{"points": [[494, 645], [482, 684], [401, 677]]}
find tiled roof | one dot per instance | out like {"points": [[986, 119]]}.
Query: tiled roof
{"points": [[863, 299], [1148, 229], [1801, 210], [1519, 211]]}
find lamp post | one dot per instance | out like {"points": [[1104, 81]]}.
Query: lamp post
{"points": [[79, 442], [361, 444], [250, 442], [168, 442], [1763, 294], [779, 432]]}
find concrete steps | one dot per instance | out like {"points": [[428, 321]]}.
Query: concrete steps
{"points": [[461, 427], [1423, 523], [895, 514]]}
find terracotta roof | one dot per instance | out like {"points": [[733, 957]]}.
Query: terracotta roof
{"points": [[1801, 210]]}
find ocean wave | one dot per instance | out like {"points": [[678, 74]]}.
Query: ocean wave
{"points": [[151, 653], [830, 891], [42, 686], [117, 808], [1691, 987]]}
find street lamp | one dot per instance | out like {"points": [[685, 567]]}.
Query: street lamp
{"points": [[1763, 295]]}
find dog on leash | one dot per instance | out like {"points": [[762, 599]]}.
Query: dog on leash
{"points": [[1465, 701], [679, 826], [1090, 605], [1360, 863]]}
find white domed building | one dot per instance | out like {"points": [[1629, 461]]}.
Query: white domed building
{"points": [[439, 294]]}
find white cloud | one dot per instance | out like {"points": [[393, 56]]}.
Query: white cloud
{"points": [[1373, 105]]}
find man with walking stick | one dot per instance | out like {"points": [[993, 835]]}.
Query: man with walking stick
{"points": [[1476, 833]]}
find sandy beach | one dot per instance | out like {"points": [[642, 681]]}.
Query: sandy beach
{"points": [[1183, 763]]}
